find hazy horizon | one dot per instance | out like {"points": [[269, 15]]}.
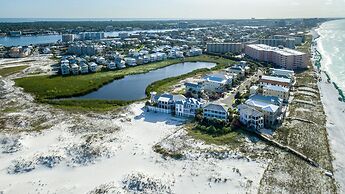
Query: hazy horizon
{"points": [[171, 10]]}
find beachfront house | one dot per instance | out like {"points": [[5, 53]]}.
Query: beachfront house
{"points": [[277, 91], [164, 103], [215, 110], [93, 67], [84, 68], [270, 106], [216, 83], [275, 81], [187, 107], [250, 117]]}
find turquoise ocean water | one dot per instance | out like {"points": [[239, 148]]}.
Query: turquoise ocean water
{"points": [[331, 45]]}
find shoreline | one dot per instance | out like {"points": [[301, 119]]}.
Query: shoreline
{"points": [[318, 61], [335, 113]]}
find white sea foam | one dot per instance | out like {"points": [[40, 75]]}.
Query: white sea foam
{"points": [[331, 45]]}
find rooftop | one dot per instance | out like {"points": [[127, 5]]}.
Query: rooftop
{"points": [[216, 106], [219, 78], [277, 79], [263, 105], [249, 110], [266, 99], [276, 88], [282, 51]]}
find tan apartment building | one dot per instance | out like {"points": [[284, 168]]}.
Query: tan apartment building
{"points": [[282, 57], [223, 48]]}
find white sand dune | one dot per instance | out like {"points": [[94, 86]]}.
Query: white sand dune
{"points": [[130, 155]]}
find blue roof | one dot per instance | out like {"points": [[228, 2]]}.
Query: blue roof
{"points": [[214, 78]]}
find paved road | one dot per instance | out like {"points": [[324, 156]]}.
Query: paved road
{"points": [[229, 98]]}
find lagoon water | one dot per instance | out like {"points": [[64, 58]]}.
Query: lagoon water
{"points": [[331, 45], [133, 87], [28, 40], [45, 39]]}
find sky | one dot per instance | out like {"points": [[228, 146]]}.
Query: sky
{"points": [[172, 9]]}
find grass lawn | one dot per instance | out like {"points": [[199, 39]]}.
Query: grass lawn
{"points": [[12, 70], [87, 105], [52, 87]]}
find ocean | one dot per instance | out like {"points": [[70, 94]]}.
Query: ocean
{"points": [[331, 45]]}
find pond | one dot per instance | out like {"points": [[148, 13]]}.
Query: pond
{"points": [[132, 87]]}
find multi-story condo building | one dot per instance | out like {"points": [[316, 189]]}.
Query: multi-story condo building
{"points": [[91, 36], [68, 37], [275, 42], [281, 57], [82, 49], [222, 48]]}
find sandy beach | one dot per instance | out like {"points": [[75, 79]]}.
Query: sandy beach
{"points": [[335, 111]]}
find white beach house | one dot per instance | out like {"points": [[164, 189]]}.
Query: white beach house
{"points": [[216, 82], [93, 67], [164, 103], [65, 69], [74, 69], [84, 68], [187, 107]]}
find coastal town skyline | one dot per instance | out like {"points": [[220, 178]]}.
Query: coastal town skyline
{"points": [[177, 9], [172, 97]]}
